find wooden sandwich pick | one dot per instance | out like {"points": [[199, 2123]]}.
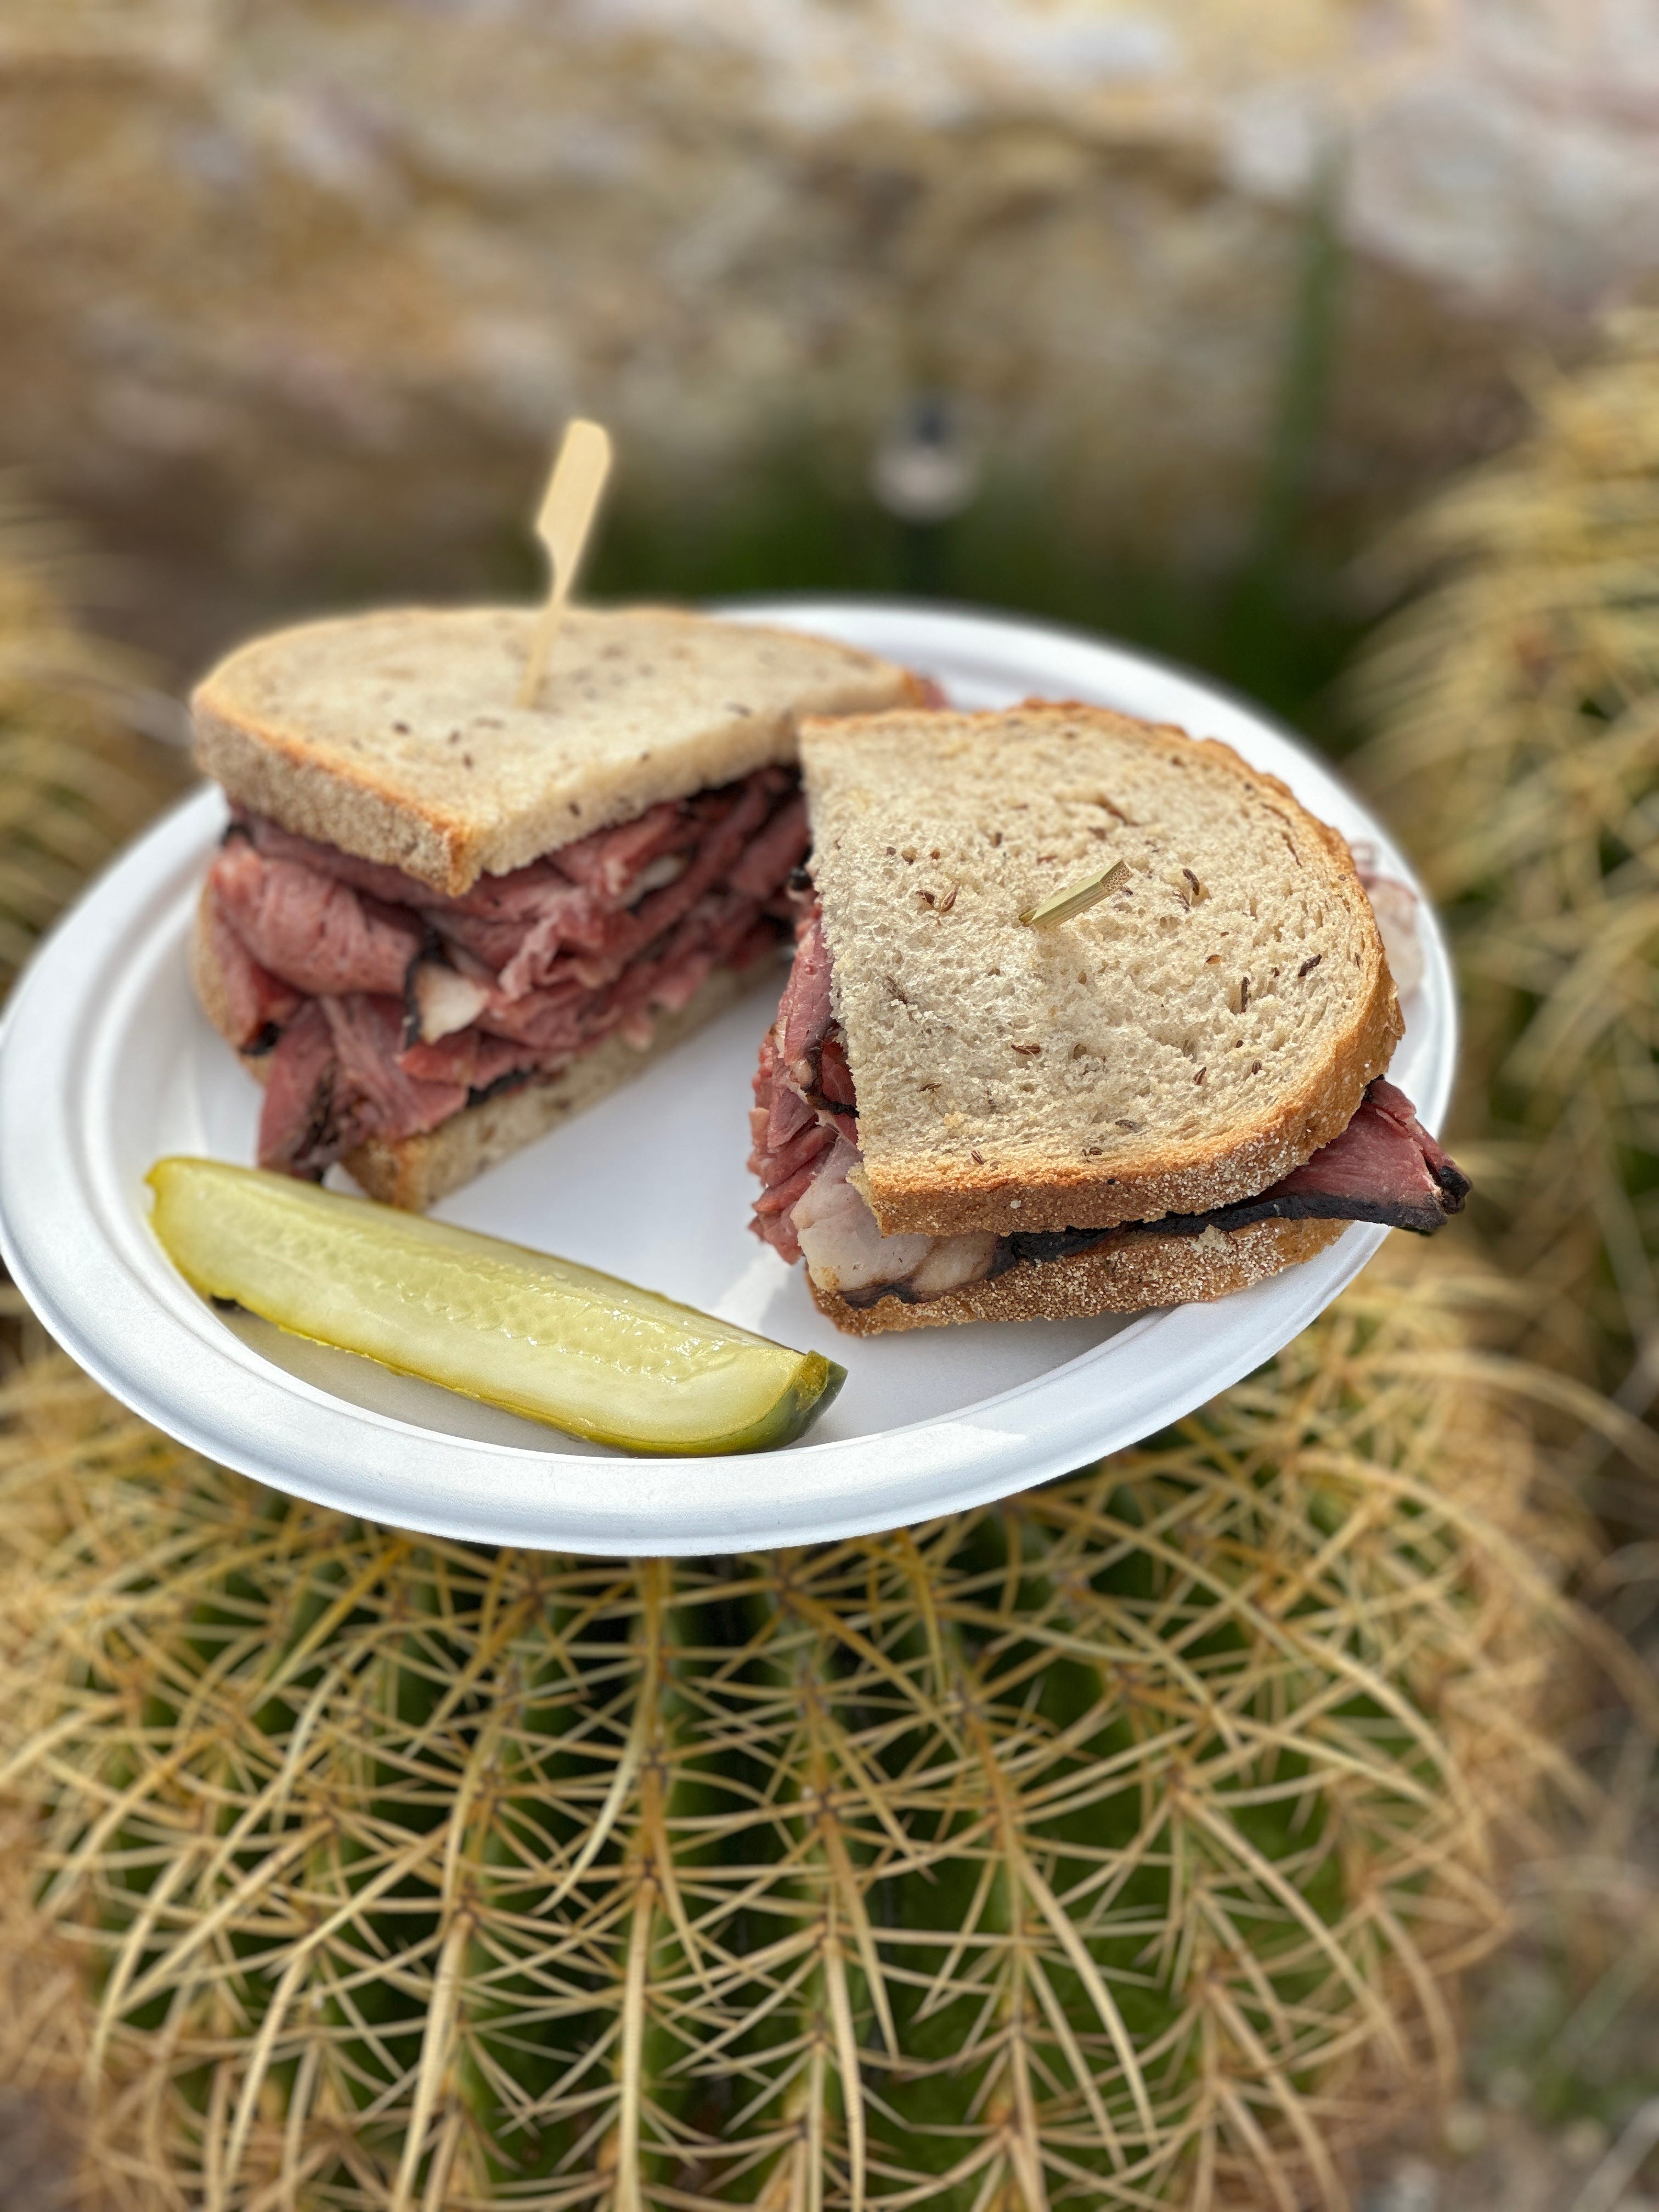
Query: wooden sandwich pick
{"points": [[1077, 898], [573, 492]]}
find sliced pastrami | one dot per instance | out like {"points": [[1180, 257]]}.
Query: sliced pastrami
{"points": [[466, 1056], [1384, 1167], [626, 933], [253, 1003], [784, 1164], [805, 1013], [520, 897], [368, 1031], [778, 1111], [301, 1127], [391, 885], [835, 1076], [335, 1081], [770, 857], [318, 937], [402, 1003], [612, 861]]}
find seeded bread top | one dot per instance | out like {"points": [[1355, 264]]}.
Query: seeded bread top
{"points": [[396, 736], [1182, 1044]]}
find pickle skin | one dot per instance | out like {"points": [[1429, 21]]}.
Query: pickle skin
{"points": [[815, 1388], [230, 1273]]}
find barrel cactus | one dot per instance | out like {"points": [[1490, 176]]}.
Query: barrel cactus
{"points": [[1115, 1847], [1521, 685]]}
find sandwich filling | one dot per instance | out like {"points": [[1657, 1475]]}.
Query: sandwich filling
{"points": [[1383, 1167], [386, 1006]]}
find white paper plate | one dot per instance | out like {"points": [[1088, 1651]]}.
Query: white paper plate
{"points": [[106, 1063]]}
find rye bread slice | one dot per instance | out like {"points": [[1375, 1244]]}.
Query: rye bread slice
{"points": [[1182, 1044], [396, 736], [1141, 1270]]}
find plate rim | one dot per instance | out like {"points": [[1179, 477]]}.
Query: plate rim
{"points": [[152, 862]]}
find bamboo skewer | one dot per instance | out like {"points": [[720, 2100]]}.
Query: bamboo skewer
{"points": [[1077, 898], [572, 500]]}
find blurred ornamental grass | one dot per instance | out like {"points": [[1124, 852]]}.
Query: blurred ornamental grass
{"points": [[1120, 1846], [76, 778], [1513, 713]]}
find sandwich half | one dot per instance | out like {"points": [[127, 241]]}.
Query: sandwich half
{"points": [[964, 1115], [441, 922]]}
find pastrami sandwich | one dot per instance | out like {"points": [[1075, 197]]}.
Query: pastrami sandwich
{"points": [[441, 921], [966, 1113]]}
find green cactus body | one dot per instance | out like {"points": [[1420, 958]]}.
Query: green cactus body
{"points": [[1109, 1849]]}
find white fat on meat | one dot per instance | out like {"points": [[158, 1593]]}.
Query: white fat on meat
{"points": [[845, 1250], [659, 873], [444, 1001], [954, 1261]]}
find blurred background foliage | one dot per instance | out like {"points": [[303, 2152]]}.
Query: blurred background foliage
{"points": [[295, 296], [1521, 688], [1304, 343]]}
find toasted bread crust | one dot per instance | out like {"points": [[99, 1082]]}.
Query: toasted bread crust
{"points": [[397, 736], [1138, 1270], [943, 1196], [418, 1171]]}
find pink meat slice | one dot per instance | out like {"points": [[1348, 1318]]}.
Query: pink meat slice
{"points": [[789, 1112], [519, 893], [627, 931], [548, 1021], [390, 885], [560, 959], [254, 1001], [835, 1076], [805, 1013], [521, 896], [778, 1112], [783, 1197], [467, 1057], [564, 914], [781, 1166], [612, 861], [367, 1032], [298, 1121], [1385, 1162], [319, 937], [785, 1110], [773, 853], [777, 1231]]}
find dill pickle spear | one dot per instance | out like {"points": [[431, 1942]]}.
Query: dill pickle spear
{"points": [[562, 1343]]}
